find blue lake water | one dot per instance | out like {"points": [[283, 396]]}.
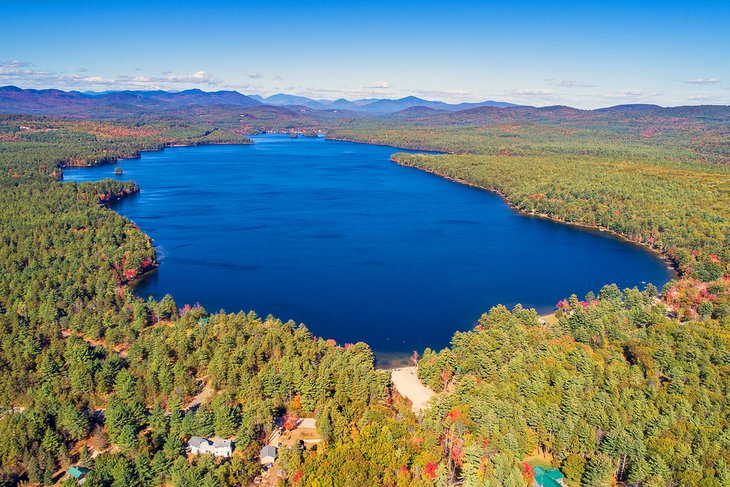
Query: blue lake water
{"points": [[334, 235]]}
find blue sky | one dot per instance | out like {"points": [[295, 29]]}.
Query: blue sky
{"points": [[580, 53]]}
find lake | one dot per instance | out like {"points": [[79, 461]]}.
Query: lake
{"points": [[336, 236]]}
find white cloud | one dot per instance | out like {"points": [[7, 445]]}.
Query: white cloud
{"points": [[703, 81], [15, 64], [715, 99], [19, 71], [94, 79], [533, 92], [23, 73], [630, 93], [568, 83], [167, 79], [380, 85], [196, 77]]}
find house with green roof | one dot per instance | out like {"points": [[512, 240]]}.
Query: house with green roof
{"points": [[548, 478], [79, 473]]}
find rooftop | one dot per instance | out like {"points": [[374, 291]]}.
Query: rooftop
{"points": [[220, 442], [548, 478], [268, 451], [197, 441], [77, 472]]}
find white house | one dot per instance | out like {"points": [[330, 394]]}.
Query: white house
{"points": [[221, 447], [215, 446], [196, 443]]}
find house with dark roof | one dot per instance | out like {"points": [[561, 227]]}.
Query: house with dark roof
{"points": [[552, 477]]}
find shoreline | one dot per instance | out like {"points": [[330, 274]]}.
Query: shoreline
{"points": [[137, 155], [388, 361], [521, 211], [669, 264], [381, 144], [154, 267]]}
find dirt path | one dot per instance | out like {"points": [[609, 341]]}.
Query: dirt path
{"points": [[200, 398], [407, 384], [121, 349]]}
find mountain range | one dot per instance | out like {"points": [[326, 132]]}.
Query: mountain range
{"points": [[375, 105], [121, 104], [14, 99]]}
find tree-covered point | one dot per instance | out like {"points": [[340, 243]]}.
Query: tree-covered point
{"points": [[36, 148]]}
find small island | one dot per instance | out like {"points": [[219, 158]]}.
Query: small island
{"points": [[118, 171]]}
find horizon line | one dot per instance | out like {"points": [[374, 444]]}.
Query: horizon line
{"points": [[251, 95]]}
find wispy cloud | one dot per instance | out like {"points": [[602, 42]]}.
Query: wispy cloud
{"points": [[703, 81], [379, 85], [18, 71], [629, 96], [445, 95], [630, 93], [25, 73], [568, 83], [15, 64], [717, 99], [254, 75], [198, 77], [533, 92]]}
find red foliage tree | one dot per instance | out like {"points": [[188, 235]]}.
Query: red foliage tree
{"points": [[430, 470], [528, 472], [290, 422]]}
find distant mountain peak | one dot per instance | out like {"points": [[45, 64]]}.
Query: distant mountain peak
{"points": [[630, 107], [18, 100]]}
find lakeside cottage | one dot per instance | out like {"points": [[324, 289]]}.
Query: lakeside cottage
{"points": [[78, 473], [551, 477], [215, 446], [268, 456]]}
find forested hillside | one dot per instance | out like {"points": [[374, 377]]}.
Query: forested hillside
{"points": [[614, 390], [626, 386]]}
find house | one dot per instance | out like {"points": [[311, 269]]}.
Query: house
{"points": [[79, 473], [196, 443], [551, 477], [221, 447], [215, 446], [268, 456]]}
